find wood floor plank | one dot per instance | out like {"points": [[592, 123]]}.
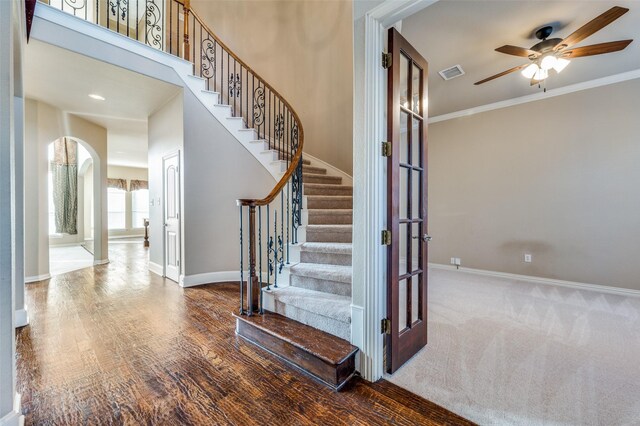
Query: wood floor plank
{"points": [[116, 344]]}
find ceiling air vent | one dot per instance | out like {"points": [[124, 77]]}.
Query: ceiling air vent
{"points": [[452, 72]]}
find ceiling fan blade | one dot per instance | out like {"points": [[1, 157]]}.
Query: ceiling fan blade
{"points": [[509, 71], [592, 27], [596, 49], [517, 51]]}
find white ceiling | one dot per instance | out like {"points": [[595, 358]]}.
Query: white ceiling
{"points": [[65, 79], [452, 32]]}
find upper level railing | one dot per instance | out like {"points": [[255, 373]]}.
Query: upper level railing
{"points": [[173, 27]]}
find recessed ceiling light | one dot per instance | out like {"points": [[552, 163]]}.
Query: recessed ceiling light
{"points": [[97, 97]]}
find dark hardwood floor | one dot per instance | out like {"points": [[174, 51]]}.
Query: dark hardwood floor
{"points": [[116, 344]]}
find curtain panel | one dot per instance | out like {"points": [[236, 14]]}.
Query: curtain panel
{"points": [[136, 184], [64, 174], [117, 184]]}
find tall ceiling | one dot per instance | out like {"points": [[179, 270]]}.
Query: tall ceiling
{"points": [[466, 32], [65, 79]]}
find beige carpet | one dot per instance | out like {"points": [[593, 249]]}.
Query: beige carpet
{"points": [[507, 352]]}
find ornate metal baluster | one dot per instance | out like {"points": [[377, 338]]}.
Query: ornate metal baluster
{"points": [[153, 36]]}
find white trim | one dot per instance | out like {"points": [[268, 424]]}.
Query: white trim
{"points": [[37, 278], [540, 280], [369, 174], [357, 325], [100, 262], [585, 85], [156, 268], [209, 278], [21, 318], [347, 179], [14, 418]]}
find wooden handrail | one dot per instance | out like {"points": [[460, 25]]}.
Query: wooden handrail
{"points": [[297, 156]]}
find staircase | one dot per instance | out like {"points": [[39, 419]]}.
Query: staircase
{"points": [[319, 291], [295, 243]]}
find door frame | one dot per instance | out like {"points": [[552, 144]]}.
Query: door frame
{"points": [[170, 154], [370, 129]]}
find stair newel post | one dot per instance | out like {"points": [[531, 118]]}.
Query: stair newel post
{"points": [[186, 46], [253, 289], [241, 266], [260, 255]]}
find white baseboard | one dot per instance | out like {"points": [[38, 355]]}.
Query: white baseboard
{"points": [[316, 162], [15, 417], [156, 269], [37, 278], [100, 262], [540, 280], [357, 325], [121, 237], [21, 318], [209, 278]]}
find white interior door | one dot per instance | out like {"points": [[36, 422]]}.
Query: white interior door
{"points": [[171, 170]]}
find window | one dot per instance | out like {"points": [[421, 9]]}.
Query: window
{"points": [[139, 207], [116, 203]]}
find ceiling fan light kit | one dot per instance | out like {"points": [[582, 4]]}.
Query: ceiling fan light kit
{"points": [[553, 54]]}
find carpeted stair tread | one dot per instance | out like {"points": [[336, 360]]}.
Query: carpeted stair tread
{"points": [[317, 302], [324, 189], [334, 202], [337, 273], [335, 248], [317, 178], [330, 216]]}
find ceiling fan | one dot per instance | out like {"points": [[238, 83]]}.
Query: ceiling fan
{"points": [[555, 53]]}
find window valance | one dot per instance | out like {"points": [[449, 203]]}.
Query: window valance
{"points": [[117, 184], [137, 184]]}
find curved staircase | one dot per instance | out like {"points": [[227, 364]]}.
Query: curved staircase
{"points": [[319, 291], [295, 243]]}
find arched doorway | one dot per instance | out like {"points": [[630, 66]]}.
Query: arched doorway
{"points": [[74, 205]]}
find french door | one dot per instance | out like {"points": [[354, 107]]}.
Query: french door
{"points": [[407, 202]]}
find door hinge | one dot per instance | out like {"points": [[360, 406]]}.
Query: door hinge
{"points": [[387, 60], [386, 237], [385, 326], [386, 149]]}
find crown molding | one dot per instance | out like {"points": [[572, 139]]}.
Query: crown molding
{"points": [[585, 85]]}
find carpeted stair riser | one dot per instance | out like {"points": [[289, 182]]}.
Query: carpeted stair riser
{"points": [[314, 170], [329, 234], [313, 178], [321, 189], [326, 324], [325, 258], [334, 287], [330, 217], [329, 202]]}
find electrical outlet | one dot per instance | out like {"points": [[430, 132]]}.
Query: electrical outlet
{"points": [[453, 260], [527, 258], [458, 261]]}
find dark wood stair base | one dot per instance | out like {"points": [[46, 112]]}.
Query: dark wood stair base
{"points": [[324, 357]]}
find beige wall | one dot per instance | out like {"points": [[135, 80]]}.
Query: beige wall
{"points": [[44, 124], [304, 50], [556, 178]]}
